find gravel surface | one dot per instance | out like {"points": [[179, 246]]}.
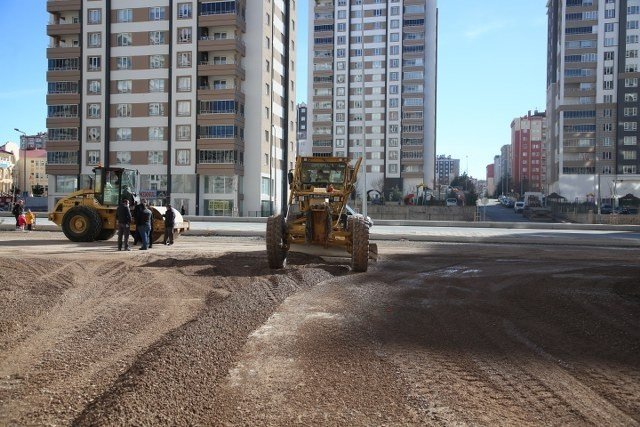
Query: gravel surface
{"points": [[203, 333]]}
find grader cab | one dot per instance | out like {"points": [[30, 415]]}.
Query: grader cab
{"points": [[89, 214], [318, 221]]}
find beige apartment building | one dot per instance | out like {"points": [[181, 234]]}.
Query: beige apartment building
{"points": [[593, 77], [195, 95], [372, 78]]}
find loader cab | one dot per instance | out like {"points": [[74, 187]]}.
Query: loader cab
{"points": [[112, 185]]}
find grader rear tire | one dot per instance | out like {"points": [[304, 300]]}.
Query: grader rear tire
{"points": [[360, 246], [276, 254], [81, 224]]}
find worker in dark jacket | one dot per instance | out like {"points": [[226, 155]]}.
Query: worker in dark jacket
{"points": [[144, 226], [123, 218], [169, 223], [137, 210]]}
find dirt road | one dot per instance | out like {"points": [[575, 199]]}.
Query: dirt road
{"points": [[204, 333]]}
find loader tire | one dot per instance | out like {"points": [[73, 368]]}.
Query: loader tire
{"points": [[276, 253], [106, 234], [360, 246], [82, 224]]}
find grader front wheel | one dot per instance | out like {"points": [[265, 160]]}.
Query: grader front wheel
{"points": [[276, 253]]}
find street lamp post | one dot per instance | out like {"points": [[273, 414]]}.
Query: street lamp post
{"points": [[24, 169]]}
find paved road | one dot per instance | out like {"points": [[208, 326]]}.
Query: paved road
{"points": [[494, 211], [435, 231]]}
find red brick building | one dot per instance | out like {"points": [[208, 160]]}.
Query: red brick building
{"points": [[528, 136]]}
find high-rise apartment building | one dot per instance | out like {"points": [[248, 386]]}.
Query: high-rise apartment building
{"points": [[446, 169], [528, 154], [592, 97], [304, 146], [372, 78], [195, 95], [506, 184]]}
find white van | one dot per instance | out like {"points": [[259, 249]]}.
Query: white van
{"points": [[518, 207]]}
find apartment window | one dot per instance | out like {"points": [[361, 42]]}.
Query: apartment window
{"points": [[393, 168], [93, 63], [630, 126], [94, 16], [156, 37], [609, 27], [184, 59], [184, 11], [607, 127], [184, 108], [124, 86], [267, 66], [123, 39], [184, 83], [183, 157], [630, 140], [156, 13], [123, 157], [156, 61], [93, 111], [156, 133], [630, 97], [155, 157], [93, 157], [631, 82], [630, 111], [609, 13], [94, 39], [267, 43], [93, 134], [183, 132], [124, 15], [123, 63], [156, 85], [123, 110], [156, 109], [184, 35], [609, 55], [94, 87], [123, 134]]}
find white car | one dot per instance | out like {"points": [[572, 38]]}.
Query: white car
{"points": [[452, 202], [518, 207]]}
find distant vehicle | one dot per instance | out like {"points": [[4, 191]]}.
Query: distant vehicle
{"points": [[622, 211], [452, 202], [518, 207], [509, 203], [606, 209], [349, 210]]}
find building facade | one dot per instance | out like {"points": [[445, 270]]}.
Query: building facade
{"points": [[528, 153], [195, 95], [304, 145], [372, 86], [446, 169], [7, 174], [506, 180], [592, 97]]}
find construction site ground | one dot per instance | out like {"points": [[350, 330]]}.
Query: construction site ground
{"points": [[203, 333]]}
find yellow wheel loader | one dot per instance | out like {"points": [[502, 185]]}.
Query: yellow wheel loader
{"points": [[90, 214], [318, 220]]}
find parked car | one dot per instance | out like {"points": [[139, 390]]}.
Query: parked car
{"points": [[518, 207], [452, 202], [606, 209], [622, 211]]}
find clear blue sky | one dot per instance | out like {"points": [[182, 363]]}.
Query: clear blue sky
{"points": [[491, 69]]}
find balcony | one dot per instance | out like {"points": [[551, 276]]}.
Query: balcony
{"points": [[64, 49], [63, 98], [61, 28], [223, 20], [211, 68], [210, 92], [212, 44], [54, 6]]}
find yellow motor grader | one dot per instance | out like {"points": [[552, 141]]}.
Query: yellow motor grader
{"points": [[89, 214], [318, 220]]}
